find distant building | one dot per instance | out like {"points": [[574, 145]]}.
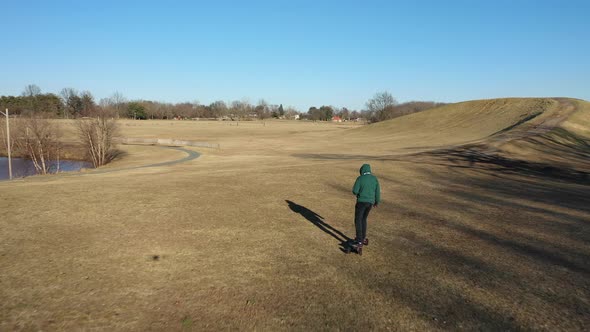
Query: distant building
{"points": [[336, 119]]}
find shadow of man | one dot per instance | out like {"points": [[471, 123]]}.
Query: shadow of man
{"points": [[318, 221]]}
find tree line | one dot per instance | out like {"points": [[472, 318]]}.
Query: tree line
{"points": [[71, 103], [327, 113], [235, 110], [383, 106]]}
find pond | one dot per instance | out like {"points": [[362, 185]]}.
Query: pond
{"points": [[24, 167]]}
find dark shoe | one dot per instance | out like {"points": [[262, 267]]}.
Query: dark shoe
{"points": [[366, 242], [358, 247]]}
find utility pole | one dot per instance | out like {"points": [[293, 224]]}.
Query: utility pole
{"points": [[8, 144]]}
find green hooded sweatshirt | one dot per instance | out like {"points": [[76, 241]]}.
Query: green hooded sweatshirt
{"points": [[366, 187]]}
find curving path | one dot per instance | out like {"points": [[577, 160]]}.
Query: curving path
{"points": [[190, 156]]}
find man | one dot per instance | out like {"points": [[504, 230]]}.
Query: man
{"points": [[368, 195]]}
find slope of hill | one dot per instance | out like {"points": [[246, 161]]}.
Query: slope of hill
{"points": [[457, 123], [551, 132], [565, 141], [547, 137]]}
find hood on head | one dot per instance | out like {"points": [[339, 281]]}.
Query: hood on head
{"points": [[365, 169]]}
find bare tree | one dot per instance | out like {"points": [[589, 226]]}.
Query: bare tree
{"points": [[218, 109], [379, 103], [344, 113], [71, 100], [240, 108], [199, 111], [183, 110], [31, 90], [88, 104], [105, 102], [262, 109], [97, 135], [160, 110], [30, 94], [118, 103], [38, 140], [290, 112], [115, 107]]}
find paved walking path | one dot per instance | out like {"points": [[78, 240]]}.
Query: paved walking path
{"points": [[190, 156]]}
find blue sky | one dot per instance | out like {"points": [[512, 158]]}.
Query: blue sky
{"points": [[299, 53]]}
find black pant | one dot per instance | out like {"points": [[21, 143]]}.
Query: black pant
{"points": [[361, 212]]}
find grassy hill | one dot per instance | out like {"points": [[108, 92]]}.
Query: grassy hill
{"points": [[457, 123], [484, 225]]}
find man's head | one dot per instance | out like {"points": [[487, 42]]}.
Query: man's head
{"points": [[365, 169]]}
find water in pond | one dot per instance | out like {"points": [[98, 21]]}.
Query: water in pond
{"points": [[24, 167]]}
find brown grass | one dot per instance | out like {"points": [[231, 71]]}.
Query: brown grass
{"points": [[490, 242]]}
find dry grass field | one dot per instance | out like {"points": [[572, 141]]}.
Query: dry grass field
{"points": [[484, 225]]}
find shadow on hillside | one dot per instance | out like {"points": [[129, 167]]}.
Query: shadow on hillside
{"points": [[543, 252], [474, 158], [492, 243], [560, 135], [563, 144], [524, 244], [319, 222], [520, 122], [487, 249]]}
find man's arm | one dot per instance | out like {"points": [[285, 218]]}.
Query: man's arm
{"points": [[356, 188], [377, 193]]}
